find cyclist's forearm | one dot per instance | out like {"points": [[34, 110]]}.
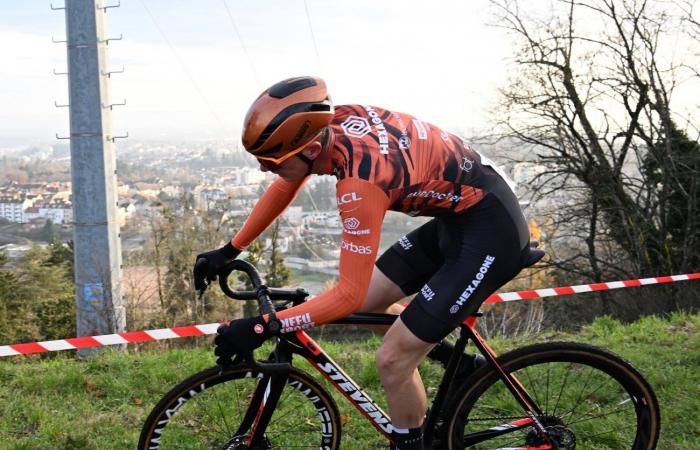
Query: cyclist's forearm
{"points": [[362, 212], [271, 204], [336, 303]]}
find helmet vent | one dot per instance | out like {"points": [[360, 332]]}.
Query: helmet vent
{"points": [[282, 116], [315, 107], [289, 86]]}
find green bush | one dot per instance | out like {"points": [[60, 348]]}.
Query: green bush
{"points": [[37, 295]]}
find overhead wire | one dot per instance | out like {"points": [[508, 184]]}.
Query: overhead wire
{"points": [[289, 224], [320, 67], [242, 43], [257, 80], [185, 69], [313, 37]]}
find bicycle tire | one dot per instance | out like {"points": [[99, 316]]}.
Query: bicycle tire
{"points": [[607, 405], [198, 413]]}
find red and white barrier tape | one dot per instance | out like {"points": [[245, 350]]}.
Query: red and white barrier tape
{"points": [[128, 337], [581, 288], [210, 328]]}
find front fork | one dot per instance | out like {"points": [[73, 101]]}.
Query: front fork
{"points": [[263, 401]]}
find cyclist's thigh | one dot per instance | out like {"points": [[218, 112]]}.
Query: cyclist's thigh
{"points": [[413, 259], [483, 251], [382, 293]]}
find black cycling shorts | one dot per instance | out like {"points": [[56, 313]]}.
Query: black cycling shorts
{"points": [[454, 263]]}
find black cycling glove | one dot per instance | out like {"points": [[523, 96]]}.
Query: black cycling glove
{"points": [[241, 337], [209, 264]]}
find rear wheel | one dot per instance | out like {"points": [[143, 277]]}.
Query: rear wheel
{"points": [[590, 399], [206, 411]]}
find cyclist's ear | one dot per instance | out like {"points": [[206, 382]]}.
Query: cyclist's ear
{"points": [[313, 150]]}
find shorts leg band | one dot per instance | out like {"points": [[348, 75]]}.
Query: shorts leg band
{"points": [[423, 325]]}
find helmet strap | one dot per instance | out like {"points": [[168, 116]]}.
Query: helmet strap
{"points": [[309, 163]]}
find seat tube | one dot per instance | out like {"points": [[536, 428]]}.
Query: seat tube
{"points": [[447, 379]]}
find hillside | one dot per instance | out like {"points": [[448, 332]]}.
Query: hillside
{"points": [[100, 403]]}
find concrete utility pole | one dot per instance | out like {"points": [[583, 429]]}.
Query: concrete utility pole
{"points": [[100, 308]]}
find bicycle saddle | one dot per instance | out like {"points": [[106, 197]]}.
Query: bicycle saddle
{"points": [[535, 254]]}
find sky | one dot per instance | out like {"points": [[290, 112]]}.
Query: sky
{"points": [[188, 75], [192, 68]]}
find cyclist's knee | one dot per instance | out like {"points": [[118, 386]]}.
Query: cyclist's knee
{"points": [[394, 366], [384, 356], [388, 362], [400, 353]]}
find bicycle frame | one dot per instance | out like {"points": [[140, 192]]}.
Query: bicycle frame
{"points": [[269, 389]]}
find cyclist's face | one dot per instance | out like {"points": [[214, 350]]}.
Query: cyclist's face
{"points": [[292, 169]]}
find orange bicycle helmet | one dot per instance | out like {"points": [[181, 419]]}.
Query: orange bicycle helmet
{"points": [[286, 118]]}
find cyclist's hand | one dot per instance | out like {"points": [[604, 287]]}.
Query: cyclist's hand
{"points": [[240, 337], [208, 265]]}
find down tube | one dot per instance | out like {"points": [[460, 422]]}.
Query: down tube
{"points": [[343, 383]]}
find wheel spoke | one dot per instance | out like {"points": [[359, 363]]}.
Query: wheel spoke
{"points": [[586, 395], [599, 416], [591, 394], [579, 396], [305, 416], [532, 386], [561, 390]]}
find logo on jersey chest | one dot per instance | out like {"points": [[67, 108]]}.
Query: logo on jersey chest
{"points": [[437, 195], [356, 126], [382, 135], [420, 128]]}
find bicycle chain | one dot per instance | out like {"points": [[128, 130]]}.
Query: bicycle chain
{"points": [[496, 418]]}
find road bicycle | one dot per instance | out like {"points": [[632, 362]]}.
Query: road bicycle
{"points": [[557, 395]]}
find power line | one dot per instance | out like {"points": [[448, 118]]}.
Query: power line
{"points": [[313, 37], [184, 68], [240, 40], [289, 224]]}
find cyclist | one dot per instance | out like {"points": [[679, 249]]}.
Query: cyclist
{"points": [[477, 241]]}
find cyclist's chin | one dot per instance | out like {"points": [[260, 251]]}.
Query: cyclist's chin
{"points": [[290, 176]]}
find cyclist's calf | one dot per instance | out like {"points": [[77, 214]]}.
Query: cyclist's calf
{"points": [[397, 360]]}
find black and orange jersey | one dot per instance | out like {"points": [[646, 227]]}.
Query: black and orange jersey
{"points": [[423, 169], [383, 160]]}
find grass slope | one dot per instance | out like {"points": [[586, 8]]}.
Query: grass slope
{"points": [[101, 402]]}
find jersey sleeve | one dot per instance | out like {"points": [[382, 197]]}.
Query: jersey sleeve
{"points": [[362, 207], [271, 204]]}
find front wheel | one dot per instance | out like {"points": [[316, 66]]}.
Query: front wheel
{"points": [[208, 411], [590, 399]]}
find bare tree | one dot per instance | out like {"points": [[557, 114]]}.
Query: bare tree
{"points": [[178, 232], [691, 20], [592, 99]]}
